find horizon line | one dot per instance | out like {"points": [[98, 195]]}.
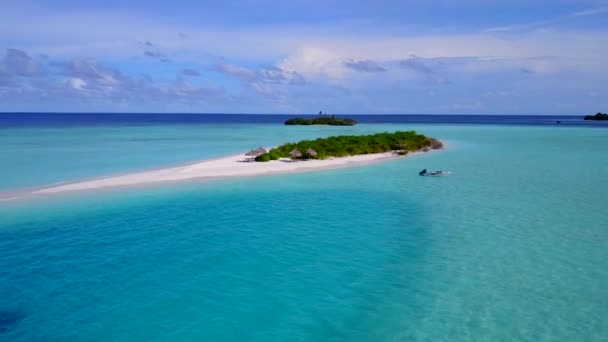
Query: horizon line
{"points": [[284, 114]]}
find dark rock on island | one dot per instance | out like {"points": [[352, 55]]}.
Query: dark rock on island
{"points": [[598, 116]]}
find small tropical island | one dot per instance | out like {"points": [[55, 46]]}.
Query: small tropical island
{"points": [[598, 117], [401, 143], [303, 156], [322, 119]]}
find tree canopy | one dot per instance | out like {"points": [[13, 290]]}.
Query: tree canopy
{"points": [[322, 120], [598, 116], [348, 145]]}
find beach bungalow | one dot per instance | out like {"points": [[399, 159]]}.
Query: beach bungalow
{"points": [[399, 147], [295, 154], [254, 153], [310, 153]]}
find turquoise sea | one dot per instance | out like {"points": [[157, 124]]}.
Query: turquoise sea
{"points": [[513, 245]]}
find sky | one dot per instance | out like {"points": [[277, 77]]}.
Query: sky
{"points": [[343, 57]]}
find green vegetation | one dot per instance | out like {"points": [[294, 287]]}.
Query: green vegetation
{"points": [[322, 120], [598, 116], [348, 145]]}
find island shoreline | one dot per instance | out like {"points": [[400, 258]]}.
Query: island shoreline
{"points": [[221, 168]]}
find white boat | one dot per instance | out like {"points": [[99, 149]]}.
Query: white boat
{"points": [[433, 173]]}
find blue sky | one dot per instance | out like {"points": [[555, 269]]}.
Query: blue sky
{"points": [[255, 56]]}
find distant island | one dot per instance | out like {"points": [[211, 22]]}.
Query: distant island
{"points": [[322, 119], [349, 145], [598, 116]]}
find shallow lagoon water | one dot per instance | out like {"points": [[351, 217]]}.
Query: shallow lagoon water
{"points": [[511, 246]]}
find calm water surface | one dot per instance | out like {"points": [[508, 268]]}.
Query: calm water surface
{"points": [[511, 246]]}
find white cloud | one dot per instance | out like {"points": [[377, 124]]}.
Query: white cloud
{"points": [[77, 84], [268, 82], [237, 71], [364, 65], [316, 62], [316, 50], [314, 54], [96, 76], [20, 63], [593, 11]]}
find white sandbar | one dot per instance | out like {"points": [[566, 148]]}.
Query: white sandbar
{"points": [[231, 166]]}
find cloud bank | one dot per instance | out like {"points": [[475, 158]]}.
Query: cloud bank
{"points": [[108, 59]]}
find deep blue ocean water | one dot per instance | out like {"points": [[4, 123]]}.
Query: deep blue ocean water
{"points": [[511, 246], [105, 119]]}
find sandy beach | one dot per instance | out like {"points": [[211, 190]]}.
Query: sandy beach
{"points": [[225, 167]]}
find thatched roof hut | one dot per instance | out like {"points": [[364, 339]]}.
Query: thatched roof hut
{"points": [[295, 154], [399, 147], [261, 150], [256, 152], [310, 153]]}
